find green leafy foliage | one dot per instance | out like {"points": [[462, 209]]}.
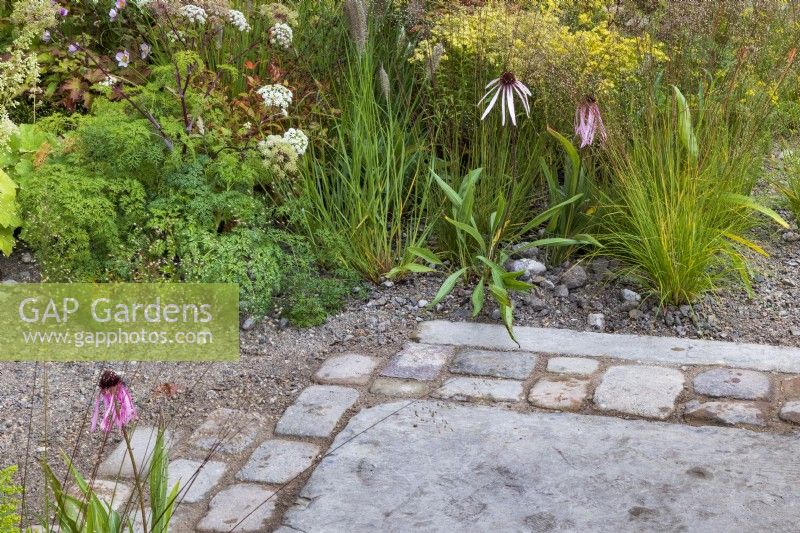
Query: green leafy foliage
{"points": [[482, 254], [9, 500], [572, 220], [9, 213]]}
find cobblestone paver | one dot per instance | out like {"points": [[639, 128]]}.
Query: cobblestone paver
{"points": [[728, 413], [348, 369], [498, 390], [316, 411], [648, 391], [423, 362], [568, 394], [227, 431], [278, 461], [250, 459], [572, 365], [514, 365], [733, 383], [244, 506]]}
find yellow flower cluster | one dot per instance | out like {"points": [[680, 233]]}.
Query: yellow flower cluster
{"points": [[575, 51]]}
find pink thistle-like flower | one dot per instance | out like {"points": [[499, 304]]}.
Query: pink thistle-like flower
{"points": [[506, 87], [588, 122], [118, 408]]}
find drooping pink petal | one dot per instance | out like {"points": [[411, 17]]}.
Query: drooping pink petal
{"points": [[511, 111], [491, 104]]}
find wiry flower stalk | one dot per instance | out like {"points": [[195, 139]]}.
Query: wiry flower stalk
{"points": [[588, 122], [435, 59], [506, 87], [355, 15]]}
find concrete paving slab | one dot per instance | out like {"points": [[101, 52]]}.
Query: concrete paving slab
{"points": [[665, 350], [423, 469]]}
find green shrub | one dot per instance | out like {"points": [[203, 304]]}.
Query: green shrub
{"points": [[78, 221], [9, 502], [680, 203], [9, 213], [247, 257], [791, 187]]}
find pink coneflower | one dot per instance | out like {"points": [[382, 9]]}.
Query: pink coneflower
{"points": [[118, 408], [506, 86], [588, 122]]}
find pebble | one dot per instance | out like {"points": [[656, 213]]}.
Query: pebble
{"points": [[529, 267], [596, 321], [575, 277], [422, 303], [248, 323], [536, 303], [729, 413], [791, 236], [562, 291]]}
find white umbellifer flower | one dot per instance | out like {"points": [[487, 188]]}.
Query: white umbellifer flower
{"points": [[297, 139], [201, 126], [108, 82], [281, 35], [194, 13], [270, 142], [276, 96], [247, 125], [238, 19], [7, 128]]}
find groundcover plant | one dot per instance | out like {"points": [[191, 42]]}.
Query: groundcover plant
{"points": [[312, 150]]}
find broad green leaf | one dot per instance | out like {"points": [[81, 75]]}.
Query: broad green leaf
{"points": [[425, 254], [478, 297], [544, 216], [685, 129], [419, 269], [572, 154], [447, 286], [469, 182], [470, 230], [500, 294], [507, 313], [6, 241], [455, 199]]}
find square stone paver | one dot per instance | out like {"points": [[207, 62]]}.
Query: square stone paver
{"points": [[278, 461], [193, 488], [418, 361], [566, 394], [349, 368], [399, 387], [648, 391], [498, 390], [316, 411], [227, 431], [514, 365], [572, 365], [232, 505], [733, 383], [729, 413], [143, 440]]}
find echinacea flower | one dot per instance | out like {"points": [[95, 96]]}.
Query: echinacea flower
{"points": [[123, 58], [118, 408], [506, 87], [588, 122]]}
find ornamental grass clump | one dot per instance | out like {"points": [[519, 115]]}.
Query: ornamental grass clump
{"points": [[679, 208]]}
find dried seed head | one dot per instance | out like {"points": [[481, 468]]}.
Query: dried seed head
{"points": [[383, 82], [355, 15], [435, 59], [109, 379]]}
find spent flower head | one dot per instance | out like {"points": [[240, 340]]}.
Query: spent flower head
{"points": [[118, 407], [588, 122], [506, 87]]}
